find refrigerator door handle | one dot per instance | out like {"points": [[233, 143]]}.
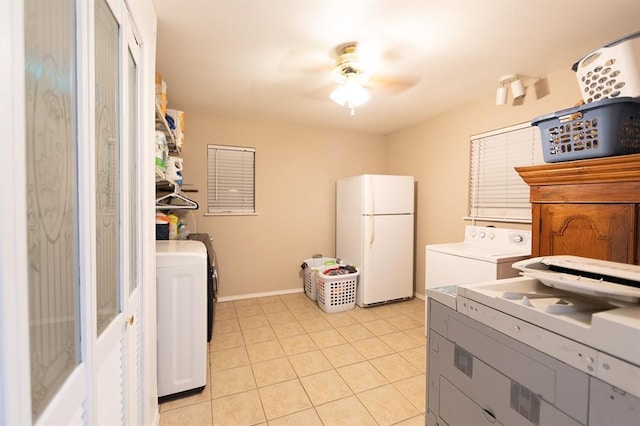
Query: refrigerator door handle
{"points": [[372, 194], [372, 238], [372, 197]]}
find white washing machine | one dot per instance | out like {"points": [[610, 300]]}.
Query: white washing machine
{"points": [[181, 279], [486, 254]]}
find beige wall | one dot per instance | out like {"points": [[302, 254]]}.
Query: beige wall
{"points": [[296, 170], [436, 152]]}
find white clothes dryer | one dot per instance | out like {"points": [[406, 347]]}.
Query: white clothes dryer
{"points": [[181, 279]]}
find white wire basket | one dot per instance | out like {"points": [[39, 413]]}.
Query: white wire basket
{"points": [[311, 266], [336, 293], [612, 71]]}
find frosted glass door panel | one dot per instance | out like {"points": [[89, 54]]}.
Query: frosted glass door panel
{"points": [[107, 165], [52, 214]]}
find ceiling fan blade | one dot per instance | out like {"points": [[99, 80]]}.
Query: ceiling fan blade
{"points": [[378, 86], [391, 85], [400, 53], [321, 93], [305, 61]]}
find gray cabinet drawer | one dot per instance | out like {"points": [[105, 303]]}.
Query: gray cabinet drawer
{"points": [[456, 408]]}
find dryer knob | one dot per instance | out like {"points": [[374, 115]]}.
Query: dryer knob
{"points": [[491, 235], [518, 239], [482, 234]]}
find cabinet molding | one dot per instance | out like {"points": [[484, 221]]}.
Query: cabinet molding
{"points": [[624, 168]]}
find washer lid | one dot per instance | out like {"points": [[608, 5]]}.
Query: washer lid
{"points": [[493, 254], [180, 252]]}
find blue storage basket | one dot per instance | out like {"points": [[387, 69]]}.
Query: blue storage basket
{"points": [[600, 129]]}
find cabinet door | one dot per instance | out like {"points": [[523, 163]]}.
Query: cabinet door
{"points": [[599, 231]]}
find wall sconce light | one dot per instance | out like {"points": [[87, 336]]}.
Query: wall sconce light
{"points": [[517, 88]]}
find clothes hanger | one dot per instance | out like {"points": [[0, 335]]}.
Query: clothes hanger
{"points": [[164, 202]]}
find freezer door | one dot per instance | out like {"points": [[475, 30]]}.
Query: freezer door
{"points": [[387, 194], [386, 272]]}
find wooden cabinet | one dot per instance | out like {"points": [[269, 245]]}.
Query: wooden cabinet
{"points": [[586, 208]]}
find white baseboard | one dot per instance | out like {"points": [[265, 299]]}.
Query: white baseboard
{"points": [[254, 295], [278, 293]]}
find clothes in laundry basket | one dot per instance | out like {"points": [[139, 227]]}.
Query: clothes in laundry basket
{"points": [[341, 270]]}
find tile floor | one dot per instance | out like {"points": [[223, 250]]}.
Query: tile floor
{"points": [[281, 360]]}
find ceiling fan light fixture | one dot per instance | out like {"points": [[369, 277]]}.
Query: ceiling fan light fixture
{"points": [[350, 93]]}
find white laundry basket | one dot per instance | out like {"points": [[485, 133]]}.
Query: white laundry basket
{"points": [[336, 293], [311, 266], [612, 71]]}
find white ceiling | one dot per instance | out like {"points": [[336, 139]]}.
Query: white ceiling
{"points": [[272, 59]]}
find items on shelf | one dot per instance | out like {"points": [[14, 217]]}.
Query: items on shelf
{"points": [[169, 140], [162, 226], [176, 124], [162, 151], [183, 231], [174, 169], [161, 93], [163, 126], [171, 227]]}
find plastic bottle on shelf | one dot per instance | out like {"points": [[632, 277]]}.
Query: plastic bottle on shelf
{"points": [[173, 227], [183, 232], [162, 226]]}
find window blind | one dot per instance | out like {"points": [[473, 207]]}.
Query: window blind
{"points": [[496, 190], [230, 180]]}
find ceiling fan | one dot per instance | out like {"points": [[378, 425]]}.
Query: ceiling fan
{"points": [[356, 71], [351, 73]]}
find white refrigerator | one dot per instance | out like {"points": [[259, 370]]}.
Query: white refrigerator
{"points": [[375, 232]]}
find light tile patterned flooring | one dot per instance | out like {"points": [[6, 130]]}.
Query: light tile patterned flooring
{"points": [[281, 360]]}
